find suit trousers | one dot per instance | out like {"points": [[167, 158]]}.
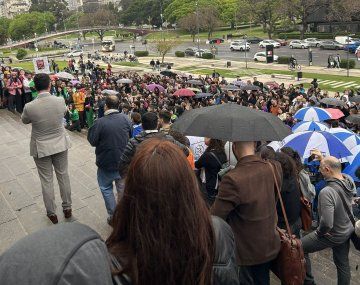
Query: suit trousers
{"points": [[45, 169]]}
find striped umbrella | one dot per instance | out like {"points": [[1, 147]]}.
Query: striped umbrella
{"points": [[309, 126], [349, 139], [328, 144], [354, 160], [312, 114]]}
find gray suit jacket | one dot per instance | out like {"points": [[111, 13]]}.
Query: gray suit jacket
{"points": [[48, 135]]}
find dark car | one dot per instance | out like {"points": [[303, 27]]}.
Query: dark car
{"points": [[216, 41], [352, 47], [254, 40], [190, 51], [330, 45]]}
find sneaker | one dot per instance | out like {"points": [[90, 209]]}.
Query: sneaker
{"points": [[53, 218], [67, 213]]}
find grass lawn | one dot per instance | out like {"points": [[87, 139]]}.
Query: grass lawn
{"points": [[126, 63], [28, 65]]}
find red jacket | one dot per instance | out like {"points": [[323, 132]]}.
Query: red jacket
{"points": [[13, 85]]}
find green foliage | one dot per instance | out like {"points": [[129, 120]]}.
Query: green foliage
{"points": [[297, 35], [284, 60], [179, 54], [344, 63], [57, 7], [141, 53], [4, 30], [207, 55], [21, 53], [72, 21], [25, 25]]}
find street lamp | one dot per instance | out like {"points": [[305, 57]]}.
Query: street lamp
{"points": [[197, 24], [246, 65]]}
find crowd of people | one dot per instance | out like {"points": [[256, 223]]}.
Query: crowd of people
{"points": [[176, 220]]}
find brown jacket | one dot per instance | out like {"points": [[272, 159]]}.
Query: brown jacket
{"points": [[247, 201]]}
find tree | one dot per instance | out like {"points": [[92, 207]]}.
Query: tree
{"points": [[189, 24], [209, 17], [57, 7], [230, 12], [4, 30], [162, 47], [345, 10], [100, 18]]}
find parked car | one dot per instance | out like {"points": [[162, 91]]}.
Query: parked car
{"points": [[200, 52], [254, 40], [345, 40], [190, 51], [273, 43], [282, 42], [352, 47], [261, 56], [312, 42], [215, 41], [240, 46], [330, 45], [298, 44], [75, 53]]}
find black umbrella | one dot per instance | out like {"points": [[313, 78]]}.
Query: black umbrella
{"points": [[168, 73], [355, 99], [249, 87], [333, 102], [232, 122], [231, 88], [354, 119], [203, 95], [195, 82]]}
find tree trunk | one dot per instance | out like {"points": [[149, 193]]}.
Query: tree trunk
{"points": [[193, 37], [163, 56], [232, 25]]}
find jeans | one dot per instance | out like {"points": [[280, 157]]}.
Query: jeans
{"points": [[255, 274], [313, 243], [105, 179]]}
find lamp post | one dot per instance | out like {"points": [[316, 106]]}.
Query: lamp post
{"points": [[246, 64], [197, 24]]}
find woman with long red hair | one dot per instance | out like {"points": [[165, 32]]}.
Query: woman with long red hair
{"points": [[162, 230]]}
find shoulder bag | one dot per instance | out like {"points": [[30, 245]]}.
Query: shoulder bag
{"points": [[289, 266], [354, 238], [306, 216]]}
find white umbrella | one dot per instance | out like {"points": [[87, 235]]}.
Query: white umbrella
{"points": [[65, 75], [124, 80], [109, 92]]}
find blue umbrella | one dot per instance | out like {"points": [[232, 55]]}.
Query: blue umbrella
{"points": [[326, 143], [309, 126], [349, 139], [354, 164], [312, 114]]}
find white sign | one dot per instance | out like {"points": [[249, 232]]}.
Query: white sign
{"points": [[41, 65], [197, 146]]}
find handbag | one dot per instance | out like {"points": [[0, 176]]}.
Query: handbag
{"points": [[354, 238], [306, 216], [289, 265]]}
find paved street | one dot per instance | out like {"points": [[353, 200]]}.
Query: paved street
{"points": [[21, 207]]}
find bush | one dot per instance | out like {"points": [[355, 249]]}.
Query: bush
{"points": [[284, 60], [207, 55], [343, 63], [21, 53], [179, 54], [141, 53]]}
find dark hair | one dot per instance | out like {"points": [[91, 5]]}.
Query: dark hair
{"points": [[41, 81], [179, 137], [295, 156], [287, 164], [216, 145], [149, 121], [165, 116], [265, 152], [162, 230], [112, 102], [136, 117]]}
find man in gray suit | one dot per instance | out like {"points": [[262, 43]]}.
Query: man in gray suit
{"points": [[49, 144]]}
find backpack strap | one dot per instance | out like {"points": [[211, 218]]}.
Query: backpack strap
{"points": [[217, 159], [346, 207]]}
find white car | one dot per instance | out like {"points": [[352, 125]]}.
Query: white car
{"points": [[241, 46], [200, 52], [261, 56], [273, 43], [75, 53], [312, 42], [298, 44]]}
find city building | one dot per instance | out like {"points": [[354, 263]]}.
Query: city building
{"points": [[12, 8]]}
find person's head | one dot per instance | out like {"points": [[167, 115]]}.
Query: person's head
{"points": [[149, 121], [42, 82], [295, 156], [136, 118], [243, 148], [265, 152], [214, 145], [162, 225], [164, 118], [112, 102], [330, 167], [287, 164]]}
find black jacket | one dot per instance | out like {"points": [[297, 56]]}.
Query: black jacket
{"points": [[130, 149], [109, 135]]}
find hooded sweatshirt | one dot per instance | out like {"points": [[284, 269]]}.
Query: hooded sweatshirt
{"points": [[333, 218]]}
